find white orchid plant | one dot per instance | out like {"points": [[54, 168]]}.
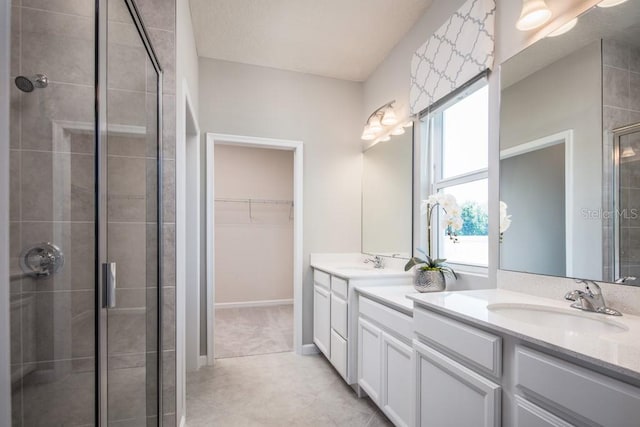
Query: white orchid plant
{"points": [[451, 222], [505, 220]]}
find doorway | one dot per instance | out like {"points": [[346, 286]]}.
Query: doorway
{"points": [[272, 215]]}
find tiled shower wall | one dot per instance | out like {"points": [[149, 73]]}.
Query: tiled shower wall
{"points": [[52, 319], [621, 107]]}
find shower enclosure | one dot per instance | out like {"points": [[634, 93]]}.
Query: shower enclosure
{"points": [[85, 233], [627, 204]]}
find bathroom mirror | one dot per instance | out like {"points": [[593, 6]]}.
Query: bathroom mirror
{"points": [[386, 197], [569, 155]]}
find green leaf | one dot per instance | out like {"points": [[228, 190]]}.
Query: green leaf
{"points": [[413, 262]]}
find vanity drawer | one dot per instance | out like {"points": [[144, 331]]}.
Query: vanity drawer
{"points": [[339, 315], [389, 318], [475, 347], [530, 415], [339, 287], [321, 278], [580, 393]]}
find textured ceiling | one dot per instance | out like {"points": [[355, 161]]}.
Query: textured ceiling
{"points": [[345, 39]]}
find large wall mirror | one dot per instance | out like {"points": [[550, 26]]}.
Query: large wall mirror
{"points": [[570, 151], [387, 196]]}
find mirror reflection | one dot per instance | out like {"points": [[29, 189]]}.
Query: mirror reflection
{"points": [[386, 196], [570, 153]]}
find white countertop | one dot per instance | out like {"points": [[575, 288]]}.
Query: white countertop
{"points": [[392, 296], [352, 266], [618, 351]]}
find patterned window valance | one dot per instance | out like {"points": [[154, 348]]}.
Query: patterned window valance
{"points": [[460, 50]]}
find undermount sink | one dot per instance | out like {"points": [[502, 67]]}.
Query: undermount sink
{"points": [[354, 267], [558, 318]]}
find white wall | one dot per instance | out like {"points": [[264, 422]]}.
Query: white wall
{"points": [[325, 114], [187, 83], [254, 248]]}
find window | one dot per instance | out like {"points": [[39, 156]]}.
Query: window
{"points": [[455, 149]]}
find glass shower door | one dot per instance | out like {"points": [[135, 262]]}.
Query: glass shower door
{"points": [[130, 220], [627, 218], [79, 200], [52, 214]]}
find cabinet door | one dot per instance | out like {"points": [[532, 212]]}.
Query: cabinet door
{"points": [[339, 353], [450, 394], [397, 387], [339, 315], [322, 320], [369, 363]]}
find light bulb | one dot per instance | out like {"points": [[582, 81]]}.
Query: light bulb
{"points": [[408, 124], [367, 135], [627, 152], [374, 124], [610, 3], [564, 29], [389, 118], [384, 138], [398, 131], [534, 14]]}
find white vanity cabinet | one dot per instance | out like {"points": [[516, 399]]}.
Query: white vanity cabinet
{"points": [[457, 370], [480, 376], [330, 319], [385, 359], [322, 312]]}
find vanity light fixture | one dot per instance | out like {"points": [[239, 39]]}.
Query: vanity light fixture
{"points": [[564, 28], [534, 14], [610, 3], [384, 138], [380, 120], [627, 152]]}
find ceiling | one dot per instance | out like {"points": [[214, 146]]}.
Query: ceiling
{"points": [[344, 39]]}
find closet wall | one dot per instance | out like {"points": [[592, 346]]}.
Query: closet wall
{"points": [[253, 224]]}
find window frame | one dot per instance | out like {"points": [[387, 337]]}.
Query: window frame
{"points": [[431, 121]]}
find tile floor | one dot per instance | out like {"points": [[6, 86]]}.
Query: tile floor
{"points": [[280, 389], [253, 330]]}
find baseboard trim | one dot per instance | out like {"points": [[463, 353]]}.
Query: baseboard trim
{"points": [[202, 361], [265, 303], [309, 349]]}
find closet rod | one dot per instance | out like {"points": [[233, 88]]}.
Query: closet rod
{"points": [[266, 201]]}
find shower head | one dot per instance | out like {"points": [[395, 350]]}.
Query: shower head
{"points": [[27, 84]]}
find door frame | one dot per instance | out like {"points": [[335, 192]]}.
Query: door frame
{"points": [[566, 138], [256, 142]]}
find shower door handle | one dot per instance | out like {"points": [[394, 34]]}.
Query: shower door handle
{"points": [[109, 270]]}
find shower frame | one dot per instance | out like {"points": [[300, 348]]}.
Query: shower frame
{"points": [[101, 129]]}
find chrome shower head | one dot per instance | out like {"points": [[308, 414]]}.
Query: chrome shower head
{"points": [[27, 84]]}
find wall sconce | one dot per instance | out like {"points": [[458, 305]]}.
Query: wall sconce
{"points": [[534, 14], [627, 152], [383, 123], [383, 116]]}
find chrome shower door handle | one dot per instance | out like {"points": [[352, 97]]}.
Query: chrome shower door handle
{"points": [[109, 275]]}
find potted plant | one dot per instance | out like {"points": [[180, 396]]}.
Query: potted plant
{"points": [[429, 271]]}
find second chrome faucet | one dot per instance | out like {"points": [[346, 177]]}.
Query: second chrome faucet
{"points": [[591, 299]]}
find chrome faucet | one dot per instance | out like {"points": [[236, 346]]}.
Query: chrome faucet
{"points": [[591, 299], [377, 261]]}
